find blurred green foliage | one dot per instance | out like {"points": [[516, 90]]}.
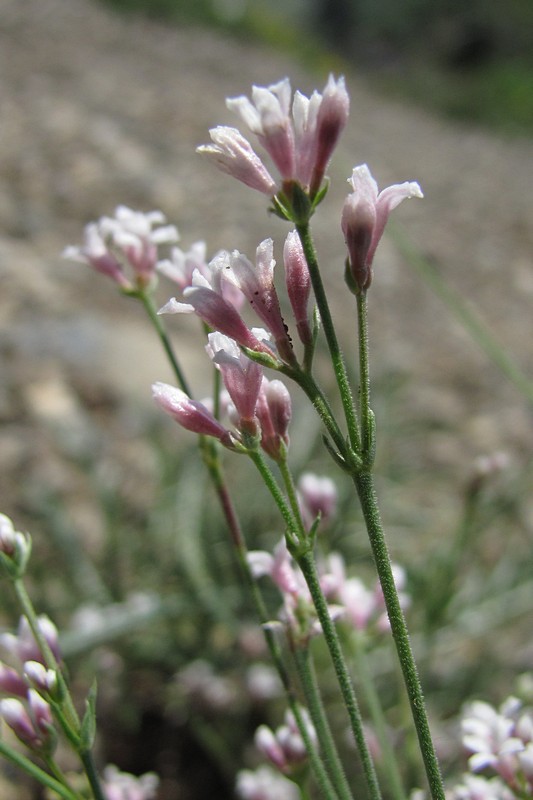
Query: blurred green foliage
{"points": [[470, 61]]}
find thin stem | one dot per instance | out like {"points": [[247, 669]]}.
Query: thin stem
{"points": [[364, 484], [92, 775], [308, 679], [365, 412], [365, 488], [364, 677], [306, 563], [65, 711], [337, 359], [302, 551], [147, 300], [36, 772], [72, 719]]}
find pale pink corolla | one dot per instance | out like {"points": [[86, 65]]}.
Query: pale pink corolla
{"points": [[123, 786], [268, 116], [137, 235], [205, 299], [179, 268], [190, 414], [299, 139], [31, 725], [475, 787], [242, 377], [257, 285], [364, 216], [95, 253], [265, 784], [285, 746], [489, 735], [234, 155], [317, 496]]}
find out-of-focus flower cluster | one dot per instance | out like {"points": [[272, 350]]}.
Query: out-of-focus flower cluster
{"points": [[499, 744], [124, 247], [119, 785], [26, 683], [499, 741], [349, 599]]}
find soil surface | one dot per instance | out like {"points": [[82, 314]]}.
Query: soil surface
{"points": [[99, 110]]}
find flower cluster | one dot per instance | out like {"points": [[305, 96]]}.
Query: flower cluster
{"points": [[129, 240], [265, 783], [123, 786], [499, 741], [28, 684], [299, 137], [285, 747]]}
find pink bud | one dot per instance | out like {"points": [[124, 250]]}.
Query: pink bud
{"points": [[11, 682], [364, 216], [191, 415], [298, 282], [18, 719], [242, 377], [331, 121]]}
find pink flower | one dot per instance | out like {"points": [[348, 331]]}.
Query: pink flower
{"points": [[130, 234], [233, 154], [300, 140], [242, 377], [265, 784], [190, 414], [285, 747], [23, 644], [123, 786], [364, 216], [268, 116], [317, 496], [181, 265], [205, 297], [134, 234], [257, 285]]}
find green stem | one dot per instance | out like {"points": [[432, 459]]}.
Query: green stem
{"points": [[50, 660], [365, 412], [364, 484], [308, 679], [64, 710], [365, 488], [364, 677], [36, 772], [239, 546], [147, 300], [92, 775], [337, 359]]}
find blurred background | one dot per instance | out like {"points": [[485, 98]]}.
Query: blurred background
{"points": [[104, 103]]}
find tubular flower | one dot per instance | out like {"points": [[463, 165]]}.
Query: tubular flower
{"points": [[207, 301], [95, 253], [242, 377], [257, 285], [233, 154], [191, 415], [364, 216]]}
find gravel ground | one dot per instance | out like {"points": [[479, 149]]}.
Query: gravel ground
{"points": [[99, 110]]}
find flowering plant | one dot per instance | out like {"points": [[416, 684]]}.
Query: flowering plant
{"points": [[249, 414]]}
